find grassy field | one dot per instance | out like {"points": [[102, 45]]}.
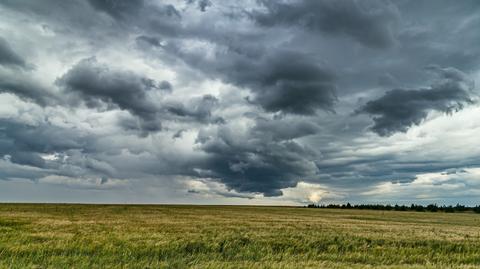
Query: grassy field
{"points": [[117, 236]]}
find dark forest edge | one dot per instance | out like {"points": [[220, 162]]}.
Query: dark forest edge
{"points": [[413, 207]]}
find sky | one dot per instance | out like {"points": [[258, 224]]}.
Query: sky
{"points": [[240, 102]]}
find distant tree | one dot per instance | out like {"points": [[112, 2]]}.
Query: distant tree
{"points": [[476, 209], [449, 209], [432, 207], [396, 207], [460, 208]]}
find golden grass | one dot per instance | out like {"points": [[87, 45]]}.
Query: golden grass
{"points": [[149, 236]]}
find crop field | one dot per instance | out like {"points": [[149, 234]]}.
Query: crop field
{"points": [[161, 236]]}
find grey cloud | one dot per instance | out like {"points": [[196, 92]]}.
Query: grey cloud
{"points": [[104, 180], [154, 17], [27, 158], [24, 87], [10, 171], [281, 80], [199, 109], [254, 162], [178, 134], [76, 152], [118, 8], [39, 138], [75, 18], [97, 85], [399, 109], [140, 126], [8, 56], [371, 23], [201, 4], [19, 81], [228, 194], [150, 40], [293, 58], [165, 85], [283, 129], [290, 83]]}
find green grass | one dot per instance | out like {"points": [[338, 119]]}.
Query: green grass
{"points": [[148, 236]]}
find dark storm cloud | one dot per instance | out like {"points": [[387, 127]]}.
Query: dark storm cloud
{"points": [[38, 138], [371, 23], [98, 86], [18, 81], [118, 8], [293, 59], [155, 17], [165, 85], [24, 87], [278, 130], [77, 153], [399, 109], [199, 109], [228, 194], [24, 144], [288, 82], [255, 162], [202, 5], [27, 158], [281, 81], [149, 40], [75, 18], [8, 56]]}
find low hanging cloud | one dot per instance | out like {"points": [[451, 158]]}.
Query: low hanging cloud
{"points": [[15, 77], [199, 109], [8, 56], [26, 88], [25, 145], [100, 87], [118, 9], [282, 129], [289, 82], [400, 109], [251, 161], [202, 5], [280, 80], [157, 17], [372, 23]]}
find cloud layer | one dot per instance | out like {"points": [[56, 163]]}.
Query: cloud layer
{"points": [[399, 109], [238, 102]]}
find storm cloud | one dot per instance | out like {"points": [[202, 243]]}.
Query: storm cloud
{"points": [[239, 102], [98, 87], [399, 109], [251, 161], [280, 81], [372, 23], [8, 56]]}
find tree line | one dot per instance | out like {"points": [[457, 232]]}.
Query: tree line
{"points": [[412, 207]]}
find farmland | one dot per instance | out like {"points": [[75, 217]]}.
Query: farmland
{"points": [[185, 236]]}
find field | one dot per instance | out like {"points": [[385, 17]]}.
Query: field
{"points": [[148, 236]]}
